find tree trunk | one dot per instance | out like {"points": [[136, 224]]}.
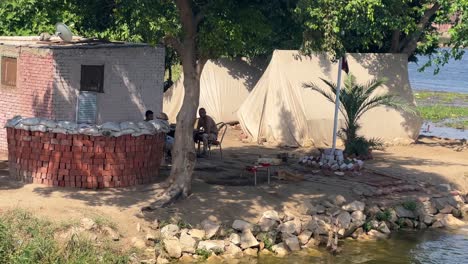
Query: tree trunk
{"points": [[410, 44], [395, 41], [184, 157]]}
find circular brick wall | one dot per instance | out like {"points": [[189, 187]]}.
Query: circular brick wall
{"points": [[83, 161]]}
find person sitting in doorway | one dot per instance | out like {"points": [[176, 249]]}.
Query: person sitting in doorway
{"points": [[206, 130], [169, 142], [149, 115]]}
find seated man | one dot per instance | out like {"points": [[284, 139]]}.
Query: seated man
{"points": [[206, 129], [149, 115], [169, 142]]}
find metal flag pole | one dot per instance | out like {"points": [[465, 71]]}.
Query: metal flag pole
{"points": [[337, 104]]}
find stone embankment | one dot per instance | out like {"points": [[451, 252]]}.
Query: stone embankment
{"points": [[322, 223]]}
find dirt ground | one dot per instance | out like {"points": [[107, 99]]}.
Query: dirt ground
{"points": [[223, 189]]}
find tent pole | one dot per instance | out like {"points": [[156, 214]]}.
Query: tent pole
{"points": [[337, 105]]}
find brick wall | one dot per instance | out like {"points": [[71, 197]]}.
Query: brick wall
{"points": [[133, 81], [83, 161], [32, 95]]}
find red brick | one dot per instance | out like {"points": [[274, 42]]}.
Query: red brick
{"points": [[64, 172]]}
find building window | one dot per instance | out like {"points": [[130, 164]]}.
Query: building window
{"points": [[9, 71], [92, 78]]}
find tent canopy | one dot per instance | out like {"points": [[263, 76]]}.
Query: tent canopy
{"points": [[224, 85], [280, 111]]}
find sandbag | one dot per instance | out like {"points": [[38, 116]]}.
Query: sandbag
{"points": [[22, 126], [128, 131], [111, 126], [48, 123], [31, 121], [14, 121], [67, 125], [58, 130], [143, 132], [129, 126], [160, 125], [146, 125], [40, 128]]}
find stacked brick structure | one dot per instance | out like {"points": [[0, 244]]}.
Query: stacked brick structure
{"points": [[83, 161], [48, 80]]}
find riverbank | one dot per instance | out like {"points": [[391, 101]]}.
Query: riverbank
{"points": [[443, 108], [224, 191]]}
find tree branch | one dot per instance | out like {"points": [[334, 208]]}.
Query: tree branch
{"points": [[410, 43], [173, 42], [395, 41]]}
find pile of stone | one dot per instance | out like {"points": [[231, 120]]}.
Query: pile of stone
{"points": [[332, 160], [316, 224], [113, 129]]}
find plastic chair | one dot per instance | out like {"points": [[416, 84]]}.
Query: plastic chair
{"points": [[222, 128]]}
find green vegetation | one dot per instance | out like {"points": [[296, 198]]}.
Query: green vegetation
{"points": [[438, 113], [384, 216], [355, 100], [410, 205], [28, 239], [203, 253], [440, 97]]}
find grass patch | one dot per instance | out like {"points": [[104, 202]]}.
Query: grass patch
{"points": [[25, 238], [458, 124], [384, 216], [438, 113], [410, 205], [444, 97]]}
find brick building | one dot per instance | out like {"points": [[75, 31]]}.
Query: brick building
{"points": [[86, 82]]}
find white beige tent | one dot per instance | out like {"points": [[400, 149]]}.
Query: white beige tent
{"points": [[224, 85], [280, 111]]}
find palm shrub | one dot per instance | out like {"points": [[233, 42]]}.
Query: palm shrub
{"points": [[355, 100]]}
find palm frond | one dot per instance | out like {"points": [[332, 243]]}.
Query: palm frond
{"points": [[329, 96]]}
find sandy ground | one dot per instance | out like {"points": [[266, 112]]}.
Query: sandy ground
{"points": [[223, 189]]}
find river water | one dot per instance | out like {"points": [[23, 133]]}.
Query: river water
{"points": [[452, 77], [430, 246]]}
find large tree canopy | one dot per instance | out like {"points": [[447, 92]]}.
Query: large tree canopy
{"points": [[404, 26]]}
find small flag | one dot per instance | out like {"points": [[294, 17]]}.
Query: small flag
{"points": [[344, 65]]}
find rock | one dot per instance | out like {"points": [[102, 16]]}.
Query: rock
{"points": [[327, 204], [444, 187], [210, 228], [155, 224], [161, 260], [148, 261], [404, 213], [373, 210], [235, 239], [311, 243], [344, 219], [138, 243], [422, 225], [267, 224], [214, 259], [271, 214], [437, 224], [292, 243], [173, 247], [374, 234], [407, 223], [150, 236], [212, 245], [187, 243], [457, 213], [337, 200], [280, 249], [265, 252], [440, 203], [428, 207], [319, 226], [305, 236], [111, 233], [233, 250], [241, 225], [383, 228], [169, 231], [87, 224], [358, 217], [374, 224], [248, 240], [287, 227], [288, 216], [359, 232], [306, 208], [354, 206], [251, 252], [186, 259], [427, 219], [447, 209], [449, 221], [197, 234], [297, 225], [138, 227]]}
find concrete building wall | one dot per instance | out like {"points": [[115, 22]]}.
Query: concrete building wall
{"points": [[133, 81], [32, 95]]}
